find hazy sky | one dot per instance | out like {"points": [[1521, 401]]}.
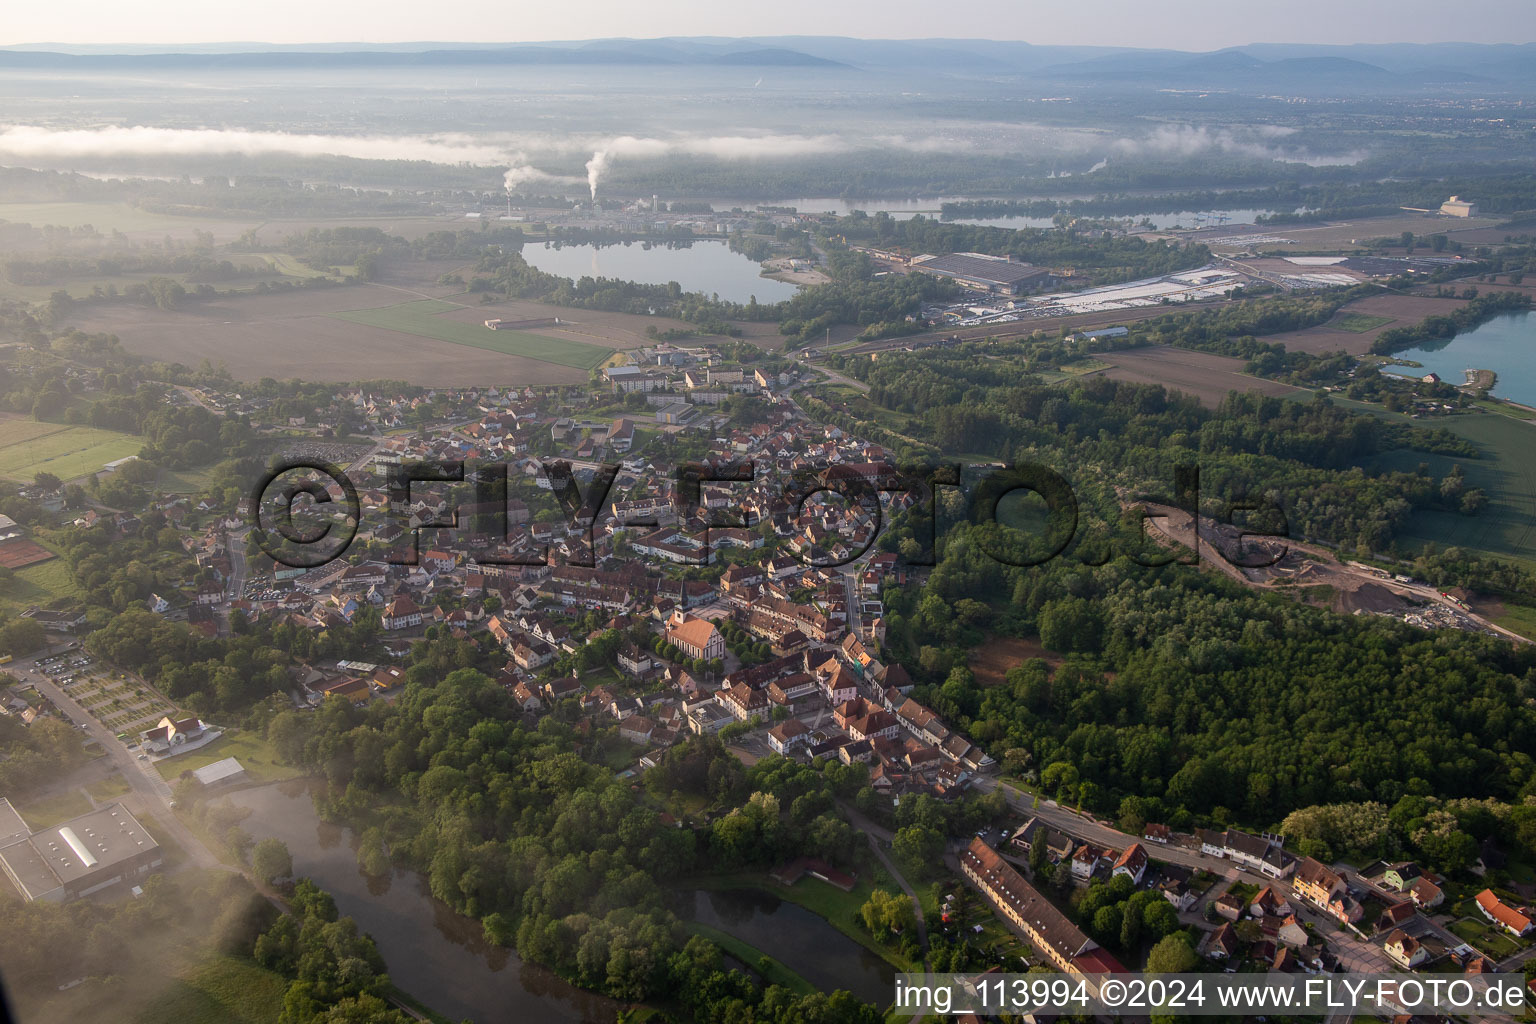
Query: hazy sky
{"points": [[1179, 24]]}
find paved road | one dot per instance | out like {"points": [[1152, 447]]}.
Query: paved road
{"points": [[153, 792]]}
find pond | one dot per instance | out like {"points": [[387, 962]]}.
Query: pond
{"points": [[800, 940], [1506, 345], [437, 955], [709, 267]]}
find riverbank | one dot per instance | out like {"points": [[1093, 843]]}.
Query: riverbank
{"points": [[770, 970], [438, 956], [839, 909]]}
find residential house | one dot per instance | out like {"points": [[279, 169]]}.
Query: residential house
{"points": [[401, 613], [1400, 876], [743, 702], [788, 735], [1228, 906], [1131, 863], [1516, 922], [1292, 933], [1085, 861], [1425, 894], [709, 718], [527, 698], [635, 661], [1269, 903], [1223, 943], [1324, 888], [1405, 950], [637, 729]]}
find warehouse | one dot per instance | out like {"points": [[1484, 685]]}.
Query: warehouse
{"points": [[1000, 275], [77, 858]]}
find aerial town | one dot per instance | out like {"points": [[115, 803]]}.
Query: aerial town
{"points": [[740, 529]]}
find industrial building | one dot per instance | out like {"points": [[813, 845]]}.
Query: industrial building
{"points": [[1000, 275], [1458, 207], [77, 858]]}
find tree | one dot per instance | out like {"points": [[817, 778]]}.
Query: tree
{"points": [[47, 481], [917, 849], [1172, 955], [271, 860]]}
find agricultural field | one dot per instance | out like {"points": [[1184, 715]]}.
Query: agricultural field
{"points": [[124, 217], [295, 335], [1199, 374], [1358, 324], [28, 448], [419, 318]]}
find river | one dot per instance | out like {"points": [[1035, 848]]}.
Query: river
{"points": [[437, 955], [709, 267], [442, 959], [1506, 345]]}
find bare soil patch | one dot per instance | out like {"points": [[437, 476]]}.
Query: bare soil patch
{"points": [[991, 661], [1204, 376]]}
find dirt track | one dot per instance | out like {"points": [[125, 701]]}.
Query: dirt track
{"points": [[1355, 587]]}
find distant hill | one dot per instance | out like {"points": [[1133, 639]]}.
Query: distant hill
{"points": [[1383, 67]]}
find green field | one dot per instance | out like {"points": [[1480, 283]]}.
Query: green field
{"points": [[220, 990], [1358, 323], [253, 752], [45, 584], [774, 973], [104, 217], [285, 264], [419, 318], [28, 448], [1507, 526]]}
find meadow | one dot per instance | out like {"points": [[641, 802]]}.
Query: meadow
{"points": [[1506, 527], [28, 448], [419, 318], [46, 585]]}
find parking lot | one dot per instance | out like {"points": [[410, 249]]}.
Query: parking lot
{"points": [[123, 705]]}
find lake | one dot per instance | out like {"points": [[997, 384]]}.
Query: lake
{"points": [[437, 955], [709, 267], [1506, 345], [1160, 221], [792, 935], [905, 209]]}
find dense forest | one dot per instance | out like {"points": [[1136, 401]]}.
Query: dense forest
{"points": [[1299, 455], [1180, 686], [1225, 703]]}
